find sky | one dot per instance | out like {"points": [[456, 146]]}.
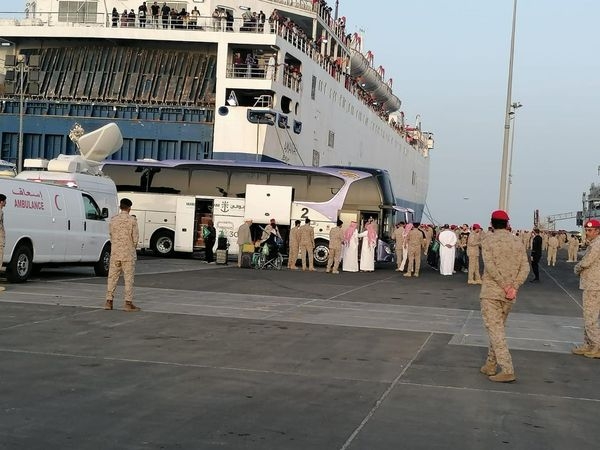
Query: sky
{"points": [[449, 61]]}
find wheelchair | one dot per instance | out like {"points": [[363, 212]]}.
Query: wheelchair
{"points": [[269, 256]]}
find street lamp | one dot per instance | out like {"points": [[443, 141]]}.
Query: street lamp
{"points": [[18, 66], [513, 115], [503, 204]]}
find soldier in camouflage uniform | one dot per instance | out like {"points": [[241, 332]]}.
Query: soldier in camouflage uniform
{"points": [[398, 237], [124, 236], [505, 269], [572, 249], [336, 238], [2, 232], [553, 244], [588, 270], [294, 245], [473, 245], [306, 236], [415, 245]]}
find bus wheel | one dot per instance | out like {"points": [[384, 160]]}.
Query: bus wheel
{"points": [[102, 265], [321, 252], [20, 265], [163, 243]]}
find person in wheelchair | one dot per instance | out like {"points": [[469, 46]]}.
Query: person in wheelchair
{"points": [[270, 256]]}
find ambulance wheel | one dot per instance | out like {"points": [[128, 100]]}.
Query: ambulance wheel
{"points": [[101, 267], [20, 266], [321, 252], [163, 243]]}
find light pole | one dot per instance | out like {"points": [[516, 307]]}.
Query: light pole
{"points": [[502, 204], [21, 72], [513, 115]]}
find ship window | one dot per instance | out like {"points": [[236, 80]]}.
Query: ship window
{"points": [[316, 158], [79, 12], [286, 104], [331, 139], [414, 178], [313, 88]]}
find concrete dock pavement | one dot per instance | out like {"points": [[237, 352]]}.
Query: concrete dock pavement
{"points": [[221, 357]]}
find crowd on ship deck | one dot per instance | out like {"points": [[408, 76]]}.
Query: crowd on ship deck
{"points": [[157, 16]]}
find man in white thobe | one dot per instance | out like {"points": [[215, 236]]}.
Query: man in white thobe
{"points": [[350, 260], [447, 240]]}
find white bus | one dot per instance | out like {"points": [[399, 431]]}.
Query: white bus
{"points": [[217, 191]]}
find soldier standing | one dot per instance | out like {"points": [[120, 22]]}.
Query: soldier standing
{"points": [[244, 237], [294, 245], [336, 238], [553, 244], [505, 269], [2, 232], [473, 245], [398, 236], [416, 243], [573, 247], [588, 270], [124, 235], [306, 235]]}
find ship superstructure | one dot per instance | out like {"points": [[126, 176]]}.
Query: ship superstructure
{"points": [[277, 80]]}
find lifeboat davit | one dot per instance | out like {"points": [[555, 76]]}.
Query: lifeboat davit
{"points": [[372, 82]]}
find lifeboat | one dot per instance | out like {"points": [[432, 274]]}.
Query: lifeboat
{"points": [[372, 82]]}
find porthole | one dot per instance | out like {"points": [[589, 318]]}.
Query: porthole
{"points": [[223, 110]]}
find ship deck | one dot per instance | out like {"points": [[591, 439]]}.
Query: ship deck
{"points": [[222, 357]]}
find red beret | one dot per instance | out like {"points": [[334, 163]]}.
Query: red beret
{"points": [[476, 226], [500, 215], [592, 223]]}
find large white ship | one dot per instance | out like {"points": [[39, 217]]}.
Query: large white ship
{"points": [[279, 80]]}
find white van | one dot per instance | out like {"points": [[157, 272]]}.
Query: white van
{"points": [[52, 225]]}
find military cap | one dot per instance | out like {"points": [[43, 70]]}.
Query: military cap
{"points": [[500, 214], [592, 223]]}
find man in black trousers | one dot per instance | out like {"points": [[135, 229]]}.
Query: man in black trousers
{"points": [[536, 254]]}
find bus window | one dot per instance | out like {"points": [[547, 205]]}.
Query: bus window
{"points": [[363, 192], [322, 188], [209, 182]]}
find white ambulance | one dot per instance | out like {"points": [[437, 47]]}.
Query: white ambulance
{"points": [[52, 225]]}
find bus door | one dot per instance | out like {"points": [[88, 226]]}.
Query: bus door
{"points": [[203, 214], [184, 224]]}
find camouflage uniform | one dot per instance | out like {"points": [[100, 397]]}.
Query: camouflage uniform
{"points": [[553, 244], [244, 237], [124, 235], [336, 238], [416, 242], [473, 244], [306, 236], [294, 247], [397, 236], [573, 247], [588, 270], [505, 264]]}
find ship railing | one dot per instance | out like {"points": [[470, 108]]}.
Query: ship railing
{"points": [[263, 101], [245, 71], [189, 22]]}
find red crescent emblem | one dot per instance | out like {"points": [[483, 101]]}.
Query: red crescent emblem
{"points": [[56, 202]]}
